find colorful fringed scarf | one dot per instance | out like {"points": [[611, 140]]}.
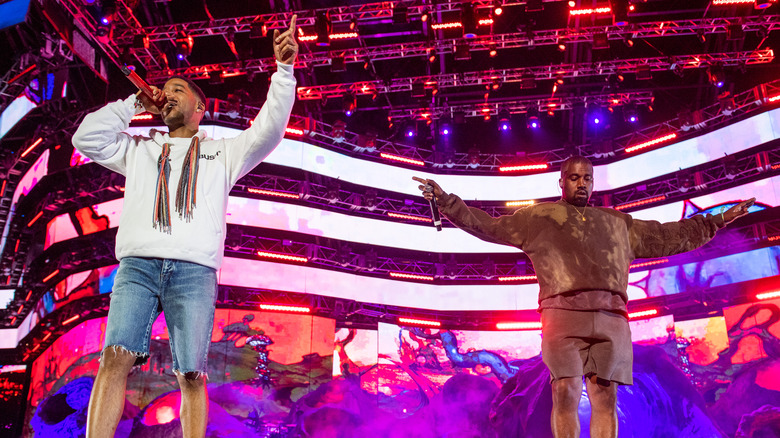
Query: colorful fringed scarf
{"points": [[185, 193]]}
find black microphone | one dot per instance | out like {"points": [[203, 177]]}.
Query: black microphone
{"points": [[434, 208]]}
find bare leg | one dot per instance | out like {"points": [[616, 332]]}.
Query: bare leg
{"points": [[107, 400], [566, 400], [603, 408], [194, 405]]}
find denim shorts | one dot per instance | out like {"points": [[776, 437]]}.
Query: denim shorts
{"points": [[185, 292]]}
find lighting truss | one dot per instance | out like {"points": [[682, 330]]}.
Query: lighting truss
{"points": [[551, 72], [376, 12], [520, 105], [480, 43]]}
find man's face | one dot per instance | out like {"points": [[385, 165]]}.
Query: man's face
{"points": [[577, 183], [182, 104]]}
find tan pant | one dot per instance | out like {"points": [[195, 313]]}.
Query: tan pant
{"points": [[584, 343]]}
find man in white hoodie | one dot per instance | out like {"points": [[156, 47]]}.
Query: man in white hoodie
{"points": [[168, 260]]}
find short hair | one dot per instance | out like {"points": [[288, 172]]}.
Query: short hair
{"points": [[574, 159], [194, 88]]}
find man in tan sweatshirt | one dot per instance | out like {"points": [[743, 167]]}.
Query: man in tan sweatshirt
{"points": [[582, 256]]}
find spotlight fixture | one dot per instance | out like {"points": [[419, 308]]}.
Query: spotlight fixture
{"points": [[498, 7], [716, 75], [597, 116], [445, 129], [630, 114], [107, 10], [763, 4], [353, 24], [532, 120], [493, 50], [619, 12], [184, 44], [424, 16], [468, 19], [504, 124], [349, 104], [495, 83], [323, 27]]}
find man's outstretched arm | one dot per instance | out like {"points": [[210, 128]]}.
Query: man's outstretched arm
{"points": [[506, 230], [653, 239]]}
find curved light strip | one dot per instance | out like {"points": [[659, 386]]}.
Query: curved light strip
{"points": [[302, 279], [737, 137], [313, 221]]}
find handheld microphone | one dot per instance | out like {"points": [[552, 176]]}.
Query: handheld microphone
{"points": [[434, 208], [143, 86]]}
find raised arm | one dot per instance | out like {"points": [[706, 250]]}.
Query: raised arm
{"points": [[506, 230], [654, 239], [100, 136], [267, 130]]}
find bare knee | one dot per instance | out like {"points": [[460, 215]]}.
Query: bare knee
{"points": [[567, 392], [602, 395], [191, 381], [117, 360]]}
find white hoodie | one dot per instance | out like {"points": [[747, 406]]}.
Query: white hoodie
{"points": [[222, 164]]}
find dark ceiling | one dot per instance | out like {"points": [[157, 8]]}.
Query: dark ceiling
{"points": [[681, 30]]}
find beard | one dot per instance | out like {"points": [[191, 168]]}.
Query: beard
{"points": [[173, 119], [578, 201]]}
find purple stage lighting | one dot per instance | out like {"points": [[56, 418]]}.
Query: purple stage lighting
{"points": [[180, 57], [104, 20], [410, 133]]}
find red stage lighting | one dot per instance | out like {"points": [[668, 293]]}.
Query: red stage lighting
{"points": [[517, 278], [519, 203], [273, 193], [402, 159], [280, 256], [285, 308], [647, 144], [37, 216], [50, 276], [422, 322], [409, 217], [144, 116], [650, 263], [591, 11], [523, 167], [411, 276], [71, 319], [451, 25], [642, 314], [524, 325], [32, 146], [731, 2], [768, 295], [642, 202]]}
